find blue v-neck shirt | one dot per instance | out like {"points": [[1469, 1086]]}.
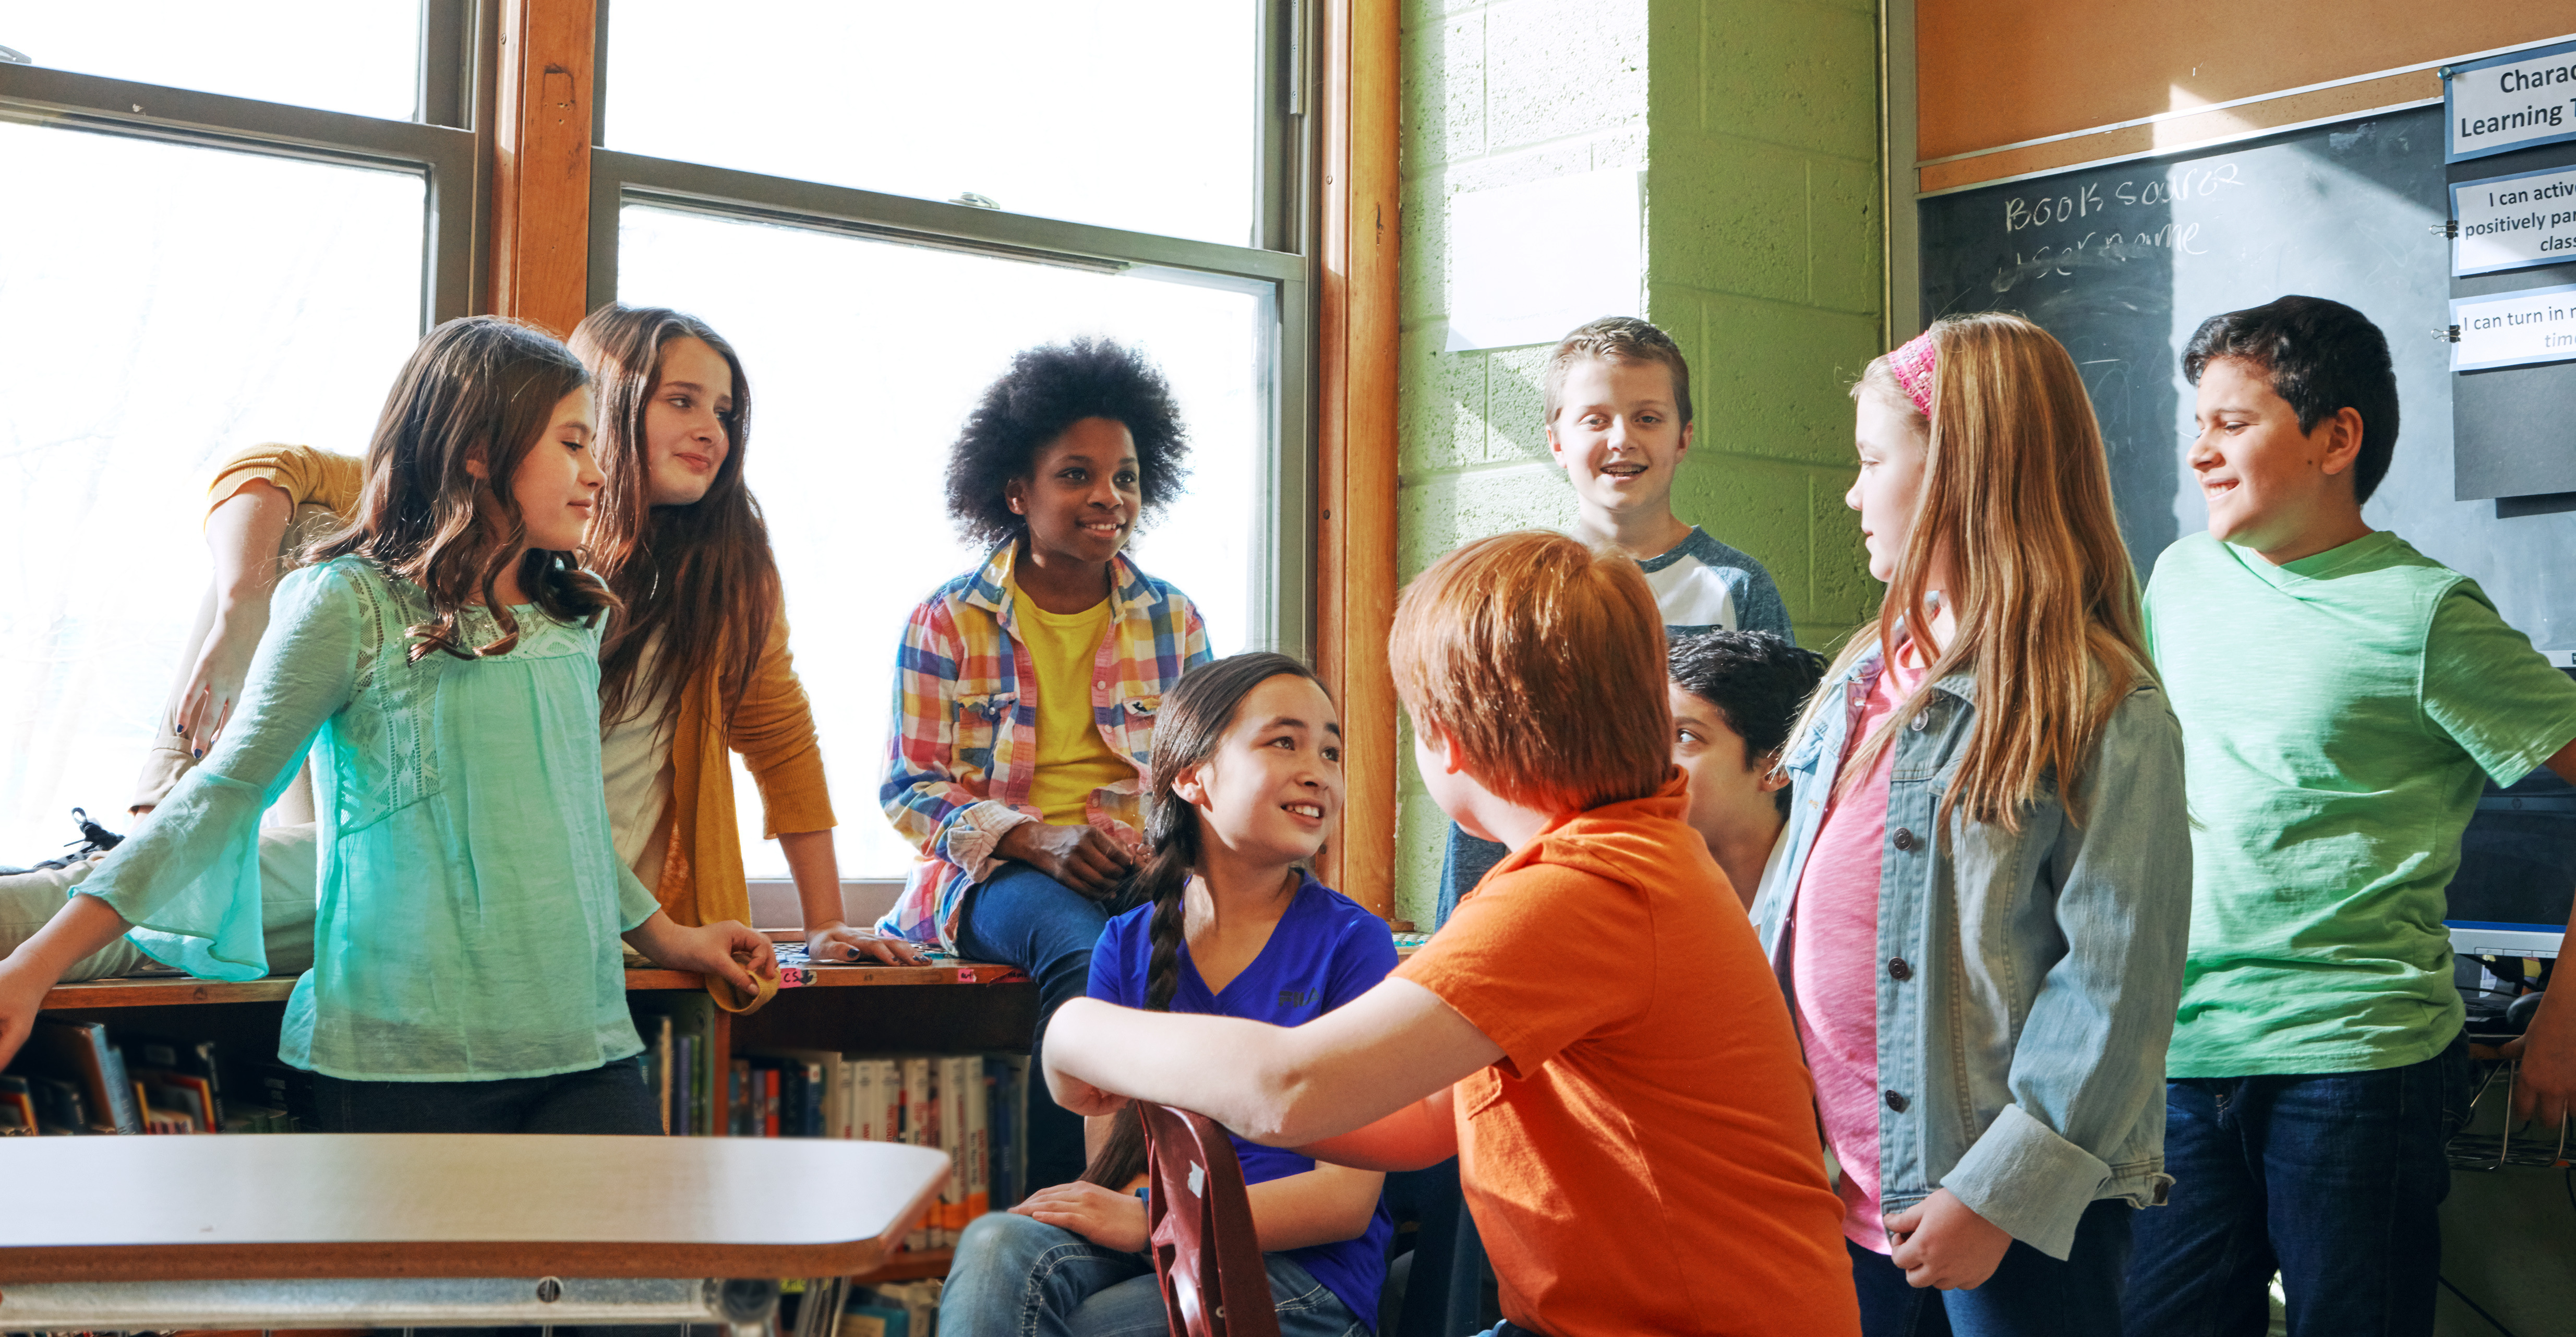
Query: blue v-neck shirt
{"points": [[1325, 952]]}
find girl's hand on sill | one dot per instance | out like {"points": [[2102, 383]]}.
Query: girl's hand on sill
{"points": [[732, 951], [837, 941]]}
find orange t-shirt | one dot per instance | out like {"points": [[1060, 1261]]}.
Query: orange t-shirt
{"points": [[1643, 1158]]}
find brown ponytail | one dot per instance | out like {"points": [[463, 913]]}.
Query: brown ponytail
{"points": [[1194, 720]]}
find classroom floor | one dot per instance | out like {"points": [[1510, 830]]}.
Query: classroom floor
{"points": [[2506, 1237]]}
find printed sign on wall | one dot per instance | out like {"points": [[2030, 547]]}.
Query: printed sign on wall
{"points": [[2513, 222], [2510, 102], [2514, 329]]}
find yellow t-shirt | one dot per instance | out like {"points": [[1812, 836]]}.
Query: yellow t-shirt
{"points": [[1073, 759]]}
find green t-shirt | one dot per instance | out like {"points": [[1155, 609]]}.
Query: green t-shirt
{"points": [[2338, 715]]}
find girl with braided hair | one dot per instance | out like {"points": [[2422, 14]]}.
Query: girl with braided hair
{"points": [[1245, 788]]}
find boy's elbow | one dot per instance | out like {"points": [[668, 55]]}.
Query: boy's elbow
{"points": [[1282, 1109]]}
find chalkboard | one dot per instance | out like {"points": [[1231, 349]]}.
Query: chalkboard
{"points": [[2122, 262]]}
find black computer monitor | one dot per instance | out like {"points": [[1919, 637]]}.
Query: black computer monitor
{"points": [[2517, 869]]}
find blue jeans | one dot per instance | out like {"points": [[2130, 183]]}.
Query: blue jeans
{"points": [[1015, 1276], [1021, 917], [2030, 1294], [609, 1099], [2332, 1178]]}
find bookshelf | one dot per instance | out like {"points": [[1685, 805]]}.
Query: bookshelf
{"points": [[952, 1007]]}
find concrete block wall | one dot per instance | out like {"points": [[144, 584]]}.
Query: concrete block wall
{"points": [[1756, 124], [1765, 260]]}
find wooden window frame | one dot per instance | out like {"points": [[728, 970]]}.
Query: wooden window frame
{"points": [[546, 209]]}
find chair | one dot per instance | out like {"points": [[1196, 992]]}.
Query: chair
{"points": [[1441, 1292], [1199, 1221]]}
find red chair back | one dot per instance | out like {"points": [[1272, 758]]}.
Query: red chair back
{"points": [[1206, 1256]]}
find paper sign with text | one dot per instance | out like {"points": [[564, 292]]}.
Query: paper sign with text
{"points": [[2510, 102], [2512, 222], [2513, 329]]}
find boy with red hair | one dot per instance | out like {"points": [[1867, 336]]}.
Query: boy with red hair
{"points": [[1595, 1034]]}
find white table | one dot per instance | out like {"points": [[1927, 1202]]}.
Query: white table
{"points": [[333, 1230]]}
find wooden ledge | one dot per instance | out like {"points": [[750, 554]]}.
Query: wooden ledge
{"points": [[172, 991]]}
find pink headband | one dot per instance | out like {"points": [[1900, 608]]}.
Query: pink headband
{"points": [[1913, 366]]}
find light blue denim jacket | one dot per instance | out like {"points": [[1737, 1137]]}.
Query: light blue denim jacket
{"points": [[2026, 983]]}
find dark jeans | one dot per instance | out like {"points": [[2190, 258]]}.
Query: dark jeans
{"points": [[2030, 1294], [2333, 1178], [1021, 917], [607, 1099], [1462, 866]]}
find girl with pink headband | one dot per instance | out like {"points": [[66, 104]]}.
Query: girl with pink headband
{"points": [[1912, 367], [1987, 828]]}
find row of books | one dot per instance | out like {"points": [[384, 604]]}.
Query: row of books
{"points": [[75, 1077], [814, 1093], [842, 1308], [971, 1106]]}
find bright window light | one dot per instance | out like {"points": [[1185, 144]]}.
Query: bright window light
{"points": [[864, 358], [1138, 114], [167, 306], [273, 50]]}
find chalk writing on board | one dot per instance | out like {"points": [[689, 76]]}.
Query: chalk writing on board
{"points": [[2099, 206], [2190, 181]]}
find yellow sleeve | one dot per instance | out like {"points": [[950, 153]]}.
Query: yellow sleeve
{"points": [[309, 476], [773, 729]]}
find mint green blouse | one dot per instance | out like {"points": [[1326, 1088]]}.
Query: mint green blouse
{"points": [[471, 900]]}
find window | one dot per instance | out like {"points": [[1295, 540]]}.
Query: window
{"points": [[1137, 114], [266, 50], [864, 357], [293, 187], [186, 273], [806, 204]]}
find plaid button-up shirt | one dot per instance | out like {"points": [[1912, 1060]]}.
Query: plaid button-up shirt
{"points": [[963, 749]]}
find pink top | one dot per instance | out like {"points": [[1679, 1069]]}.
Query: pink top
{"points": [[1834, 959]]}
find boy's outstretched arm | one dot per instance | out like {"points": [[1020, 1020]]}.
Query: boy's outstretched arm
{"points": [[1416, 1137], [1373, 1056]]}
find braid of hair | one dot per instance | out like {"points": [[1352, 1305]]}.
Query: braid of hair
{"points": [[1195, 715], [1173, 833], [1166, 876]]}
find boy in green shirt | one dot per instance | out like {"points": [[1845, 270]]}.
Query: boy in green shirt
{"points": [[2343, 697]]}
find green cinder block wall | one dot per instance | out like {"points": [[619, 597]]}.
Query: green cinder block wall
{"points": [[1756, 124]]}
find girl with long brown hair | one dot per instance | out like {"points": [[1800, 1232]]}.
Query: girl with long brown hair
{"points": [[443, 649], [1245, 788], [1981, 905], [679, 541], [697, 662]]}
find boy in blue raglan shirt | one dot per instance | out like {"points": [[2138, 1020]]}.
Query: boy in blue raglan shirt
{"points": [[1616, 393]]}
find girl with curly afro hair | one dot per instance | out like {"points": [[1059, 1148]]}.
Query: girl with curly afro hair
{"points": [[1026, 689]]}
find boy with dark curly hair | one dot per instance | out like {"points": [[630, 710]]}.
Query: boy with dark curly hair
{"points": [[1025, 690], [1734, 697]]}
